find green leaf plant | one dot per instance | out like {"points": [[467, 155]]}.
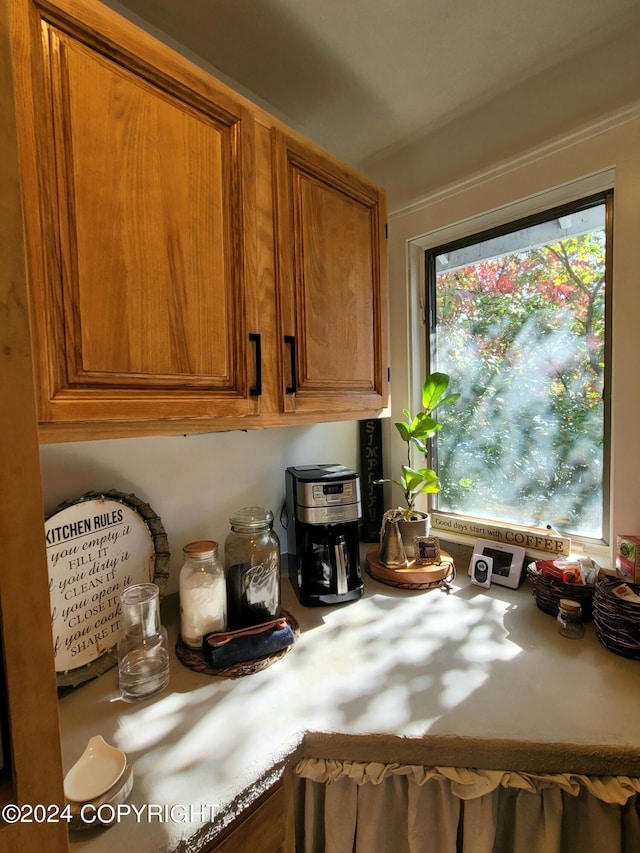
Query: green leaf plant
{"points": [[417, 430]]}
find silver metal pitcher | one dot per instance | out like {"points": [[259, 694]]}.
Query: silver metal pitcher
{"points": [[391, 553]]}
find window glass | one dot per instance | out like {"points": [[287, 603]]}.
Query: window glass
{"points": [[517, 319]]}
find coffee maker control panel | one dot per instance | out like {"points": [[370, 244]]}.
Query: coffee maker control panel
{"points": [[335, 493], [316, 486]]}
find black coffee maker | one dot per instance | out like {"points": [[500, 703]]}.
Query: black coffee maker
{"points": [[323, 507]]}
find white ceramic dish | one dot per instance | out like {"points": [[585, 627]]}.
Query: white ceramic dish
{"points": [[98, 769], [116, 795]]}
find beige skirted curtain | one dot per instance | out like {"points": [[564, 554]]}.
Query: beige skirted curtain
{"points": [[357, 807]]}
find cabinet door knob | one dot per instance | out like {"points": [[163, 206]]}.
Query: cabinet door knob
{"points": [[256, 391], [291, 342]]}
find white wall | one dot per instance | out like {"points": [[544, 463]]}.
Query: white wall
{"points": [[195, 482], [612, 143]]}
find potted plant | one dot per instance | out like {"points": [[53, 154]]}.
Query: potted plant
{"points": [[416, 431]]}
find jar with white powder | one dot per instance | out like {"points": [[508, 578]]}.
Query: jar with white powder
{"points": [[203, 593]]}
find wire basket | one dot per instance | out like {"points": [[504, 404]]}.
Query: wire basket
{"points": [[548, 592], [617, 621]]}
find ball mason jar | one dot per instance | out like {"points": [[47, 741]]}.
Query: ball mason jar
{"points": [[252, 565]]}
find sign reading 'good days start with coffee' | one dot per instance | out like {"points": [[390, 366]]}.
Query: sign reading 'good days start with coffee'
{"points": [[95, 548]]}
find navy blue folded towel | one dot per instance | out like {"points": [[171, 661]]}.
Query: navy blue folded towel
{"points": [[227, 648]]}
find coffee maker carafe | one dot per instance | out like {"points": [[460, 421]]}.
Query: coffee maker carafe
{"points": [[323, 507]]}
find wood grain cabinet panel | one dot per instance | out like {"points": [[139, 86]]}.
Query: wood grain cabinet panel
{"points": [[261, 830], [30, 761], [133, 265], [144, 175], [331, 275]]}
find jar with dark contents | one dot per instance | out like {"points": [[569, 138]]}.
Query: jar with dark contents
{"points": [[252, 565]]}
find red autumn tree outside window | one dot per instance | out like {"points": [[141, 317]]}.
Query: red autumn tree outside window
{"points": [[518, 320]]}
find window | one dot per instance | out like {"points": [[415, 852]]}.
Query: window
{"points": [[517, 318]]}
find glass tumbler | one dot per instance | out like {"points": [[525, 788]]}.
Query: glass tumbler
{"points": [[143, 654]]}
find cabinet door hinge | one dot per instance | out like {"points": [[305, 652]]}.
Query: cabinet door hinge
{"points": [[386, 230]]}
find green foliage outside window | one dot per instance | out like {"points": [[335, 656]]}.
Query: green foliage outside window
{"points": [[522, 336]]}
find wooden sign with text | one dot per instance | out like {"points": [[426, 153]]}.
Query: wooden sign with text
{"points": [[528, 538], [370, 471]]}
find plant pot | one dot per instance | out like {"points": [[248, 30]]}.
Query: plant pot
{"points": [[397, 538], [409, 529]]}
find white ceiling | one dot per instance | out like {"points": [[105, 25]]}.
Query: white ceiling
{"points": [[364, 77]]}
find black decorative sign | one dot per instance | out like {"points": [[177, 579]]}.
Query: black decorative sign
{"points": [[370, 471]]}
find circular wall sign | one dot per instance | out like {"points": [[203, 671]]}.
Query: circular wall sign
{"points": [[96, 546]]}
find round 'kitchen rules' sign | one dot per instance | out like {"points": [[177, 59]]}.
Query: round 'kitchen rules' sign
{"points": [[97, 546]]}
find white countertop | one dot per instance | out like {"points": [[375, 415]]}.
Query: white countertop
{"points": [[474, 677]]}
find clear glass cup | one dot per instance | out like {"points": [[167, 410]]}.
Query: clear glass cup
{"points": [[143, 654]]}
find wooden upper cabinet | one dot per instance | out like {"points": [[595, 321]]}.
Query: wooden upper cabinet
{"points": [[193, 264], [142, 302], [331, 275]]}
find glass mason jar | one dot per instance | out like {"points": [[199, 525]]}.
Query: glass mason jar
{"points": [[252, 564], [143, 655], [570, 619], [203, 592]]}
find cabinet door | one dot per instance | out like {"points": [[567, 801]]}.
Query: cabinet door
{"points": [[260, 830], [331, 275], [30, 757], [141, 307]]}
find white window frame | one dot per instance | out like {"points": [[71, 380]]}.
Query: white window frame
{"points": [[418, 326]]}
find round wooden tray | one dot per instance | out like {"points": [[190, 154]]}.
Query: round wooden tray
{"points": [[194, 658], [414, 576]]}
